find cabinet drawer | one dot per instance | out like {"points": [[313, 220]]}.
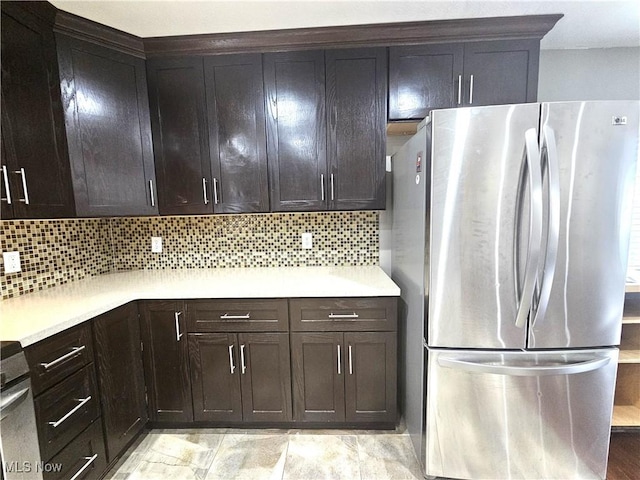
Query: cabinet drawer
{"points": [[55, 358], [66, 410], [83, 459], [237, 316], [343, 314]]}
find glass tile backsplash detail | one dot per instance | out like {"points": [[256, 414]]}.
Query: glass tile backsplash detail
{"points": [[54, 252]]}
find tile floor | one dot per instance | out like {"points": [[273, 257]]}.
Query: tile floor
{"points": [[210, 454]]}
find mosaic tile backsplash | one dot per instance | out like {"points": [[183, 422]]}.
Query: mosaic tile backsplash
{"points": [[54, 252]]}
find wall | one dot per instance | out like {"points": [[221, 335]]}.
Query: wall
{"points": [[54, 252], [589, 74]]}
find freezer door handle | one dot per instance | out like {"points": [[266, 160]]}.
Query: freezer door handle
{"points": [[523, 371], [532, 164], [549, 151]]}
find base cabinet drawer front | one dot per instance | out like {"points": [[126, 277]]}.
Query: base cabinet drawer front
{"points": [[83, 459], [65, 410], [343, 314], [55, 358], [237, 315], [371, 376]]}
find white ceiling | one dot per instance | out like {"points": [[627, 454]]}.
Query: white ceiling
{"points": [[586, 23]]}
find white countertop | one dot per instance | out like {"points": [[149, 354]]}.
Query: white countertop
{"points": [[36, 316]]}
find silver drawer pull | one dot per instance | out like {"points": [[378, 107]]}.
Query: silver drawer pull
{"points": [[89, 460], [74, 351], [344, 315], [226, 316], [82, 401], [5, 179]]}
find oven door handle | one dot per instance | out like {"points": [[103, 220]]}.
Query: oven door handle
{"points": [[11, 401]]}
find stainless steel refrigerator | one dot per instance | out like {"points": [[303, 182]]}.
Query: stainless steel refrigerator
{"points": [[510, 239]]}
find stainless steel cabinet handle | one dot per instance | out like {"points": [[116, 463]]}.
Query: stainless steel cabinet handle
{"points": [[321, 186], [459, 89], [332, 188], [82, 401], [350, 361], [215, 191], [74, 351], [178, 334], [339, 360], [5, 179], [204, 191], [151, 195], [23, 176], [226, 316], [345, 315], [243, 366], [232, 367], [89, 460], [470, 89]]}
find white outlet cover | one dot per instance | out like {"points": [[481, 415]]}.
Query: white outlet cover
{"points": [[307, 240], [156, 244], [11, 262]]}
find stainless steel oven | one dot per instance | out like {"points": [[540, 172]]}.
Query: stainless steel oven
{"points": [[19, 447]]}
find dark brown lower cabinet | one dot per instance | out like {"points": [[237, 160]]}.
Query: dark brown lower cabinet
{"points": [[240, 377], [84, 458], [344, 377], [166, 361], [120, 375]]}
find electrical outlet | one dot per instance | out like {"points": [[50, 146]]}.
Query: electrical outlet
{"points": [[11, 262], [307, 240], [156, 244]]}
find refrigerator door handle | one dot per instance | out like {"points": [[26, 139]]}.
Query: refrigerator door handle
{"points": [[531, 160], [549, 151], [523, 371]]}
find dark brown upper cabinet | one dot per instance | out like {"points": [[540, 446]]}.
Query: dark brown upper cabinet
{"points": [[426, 77], [237, 142], [36, 180], [423, 78], [326, 115], [120, 376], [209, 139], [356, 120], [296, 130], [106, 107], [166, 361], [180, 138]]}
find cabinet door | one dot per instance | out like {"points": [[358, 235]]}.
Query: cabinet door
{"points": [[317, 361], [423, 78], [34, 144], [180, 137], [356, 118], [501, 72], [120, 376], [215, 377], [106, 108], [166, 362], [238, 145], [371, 376], [266, 377], [296, 130]]}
